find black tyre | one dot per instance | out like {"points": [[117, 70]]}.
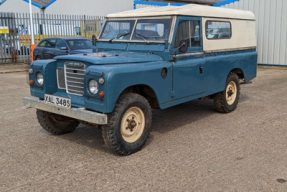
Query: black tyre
{"points": [[56, 124], [37, 58], [227, 100], [128, 125]]}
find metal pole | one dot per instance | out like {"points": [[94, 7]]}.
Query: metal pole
{"points": [[31, 23]]}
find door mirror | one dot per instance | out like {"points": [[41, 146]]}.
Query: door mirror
{"points": [[183, 46], [64, 48]]}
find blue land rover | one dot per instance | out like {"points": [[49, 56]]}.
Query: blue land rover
{"points": [[143, 59]]}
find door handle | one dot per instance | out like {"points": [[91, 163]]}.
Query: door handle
{"points": [[200, 70]]}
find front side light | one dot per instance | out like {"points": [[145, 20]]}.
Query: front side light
{"points": [[101, 81], [93, 87], [31, 71], [40, 78]]}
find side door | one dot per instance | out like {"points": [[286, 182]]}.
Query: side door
{"points": [[60, 44], [188, 68], [40, 49], [50, 49]]}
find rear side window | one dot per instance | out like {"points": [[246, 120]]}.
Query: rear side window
{"points": [[190, 31], [51, 43], [218, 30], [42, 44]]}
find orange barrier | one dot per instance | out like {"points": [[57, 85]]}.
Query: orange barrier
{"points": [[32, 47]]}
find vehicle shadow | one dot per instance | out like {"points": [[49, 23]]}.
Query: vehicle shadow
{"points": [[172, 118], [163, 121], [177, 116], [88, 136]]}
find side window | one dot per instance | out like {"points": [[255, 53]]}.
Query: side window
{"points": [[50, 43], [190, 31], [60, 43], [218, 30], [42, 44]]}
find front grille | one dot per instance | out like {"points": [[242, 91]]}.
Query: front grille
{"points": [[61, 78], [74, 77]]}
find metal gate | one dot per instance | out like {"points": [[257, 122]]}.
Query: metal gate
{"points": [[10, 48], [15, 31]]}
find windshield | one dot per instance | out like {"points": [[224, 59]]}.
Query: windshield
{"points": [[114, 30], [80, 44], [145, 30], [152, 29]]}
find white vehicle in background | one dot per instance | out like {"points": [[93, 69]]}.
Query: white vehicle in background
{"points": [[12, 41]]}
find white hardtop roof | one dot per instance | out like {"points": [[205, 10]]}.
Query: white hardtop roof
{"points": [[187, 10]]}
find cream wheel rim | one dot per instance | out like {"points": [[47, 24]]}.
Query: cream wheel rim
{"points": [[132, 125], [231, 92]]}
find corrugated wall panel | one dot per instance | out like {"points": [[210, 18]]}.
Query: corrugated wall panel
{"points": [[266, 31], [283, 48], [271, 28], [276, 55]]}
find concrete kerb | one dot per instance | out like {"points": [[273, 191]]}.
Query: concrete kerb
{"points": [[13, 68]]}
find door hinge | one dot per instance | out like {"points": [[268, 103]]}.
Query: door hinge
{"points": [[172, 94]]}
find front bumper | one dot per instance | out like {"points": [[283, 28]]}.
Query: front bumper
{"points": [[76, 113]]}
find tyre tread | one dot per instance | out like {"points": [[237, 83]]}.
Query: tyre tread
{"points": [[219, 99], [108, 131], [51, 127]]}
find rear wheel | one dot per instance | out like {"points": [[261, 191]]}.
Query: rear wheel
{"points": [[227, 100], [37, 58], [56, 124], [128, 125]]}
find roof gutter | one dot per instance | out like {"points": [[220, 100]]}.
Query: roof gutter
{"points": [[2, 2], [37, 5], [49, 4]]}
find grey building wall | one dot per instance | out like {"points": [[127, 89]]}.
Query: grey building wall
{"points": [[17, 6], [71, 7], [271, 27], [89, 7]]}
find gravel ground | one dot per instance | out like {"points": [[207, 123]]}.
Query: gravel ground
{"points": [[191, 147]]}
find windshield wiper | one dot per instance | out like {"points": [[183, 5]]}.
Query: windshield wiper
{"points": [[122, 35], [144, 38]]}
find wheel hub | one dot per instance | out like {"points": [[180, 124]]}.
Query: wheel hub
{"points": [[132, 124], [231, 92]]}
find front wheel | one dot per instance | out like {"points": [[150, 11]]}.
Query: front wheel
{"points": [[227, 100], [128, 125], [56, 124]]}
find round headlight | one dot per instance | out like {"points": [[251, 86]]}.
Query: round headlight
{"points": [[93, 86], [40, 78]]}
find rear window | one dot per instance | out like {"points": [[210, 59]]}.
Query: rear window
{"points": [[218, 30]]}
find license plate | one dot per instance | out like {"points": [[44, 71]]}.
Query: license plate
{"points": [[60, 101]]}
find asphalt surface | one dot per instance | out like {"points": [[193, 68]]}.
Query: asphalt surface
{"points": [[191, 147]]}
